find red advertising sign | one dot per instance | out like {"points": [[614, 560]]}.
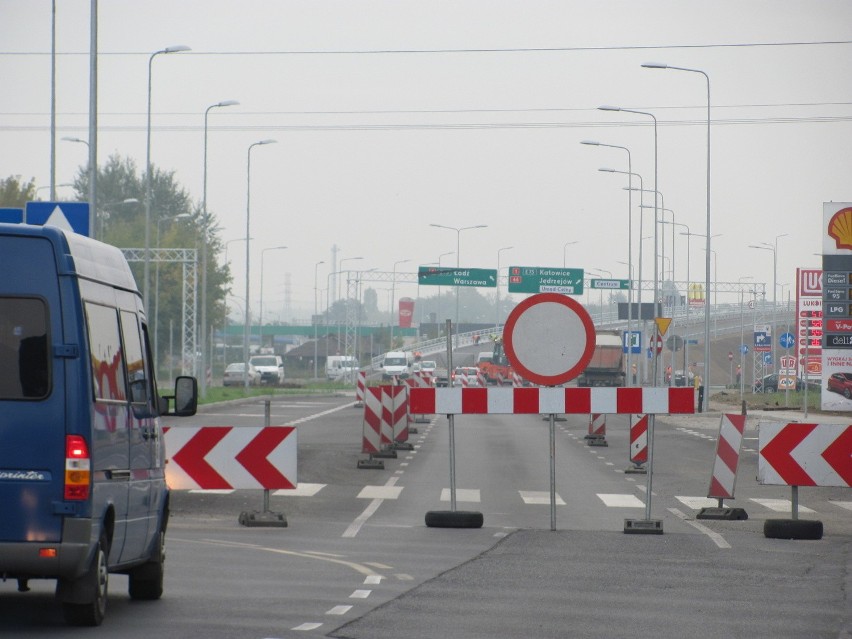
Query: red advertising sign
{"points": [[406, 312], [809, 321]]}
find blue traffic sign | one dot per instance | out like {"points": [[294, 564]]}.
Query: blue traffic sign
{"points": [[786, 340], [71, 216], [744, 349], [11, 216], [635, 345], [767, 359]]}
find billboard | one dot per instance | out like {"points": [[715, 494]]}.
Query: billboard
{"points": [[406, 312], [836, 323]]}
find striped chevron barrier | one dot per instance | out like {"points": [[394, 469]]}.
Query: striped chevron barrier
{"points": [[536, 400], [728, 448], [360, 385], [639, 439], [597, 430], [395, 412]]}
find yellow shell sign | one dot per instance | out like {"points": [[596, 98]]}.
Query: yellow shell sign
{"points": [[840, 228]]}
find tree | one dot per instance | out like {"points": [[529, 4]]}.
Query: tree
{"points": [[16, 194], [120, 221]]}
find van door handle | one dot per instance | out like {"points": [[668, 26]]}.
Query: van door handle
{"points": [[118, 474]]}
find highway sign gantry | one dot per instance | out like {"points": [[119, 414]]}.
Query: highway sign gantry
{"points": [[224, 457], [443, 276], [535, 279]]}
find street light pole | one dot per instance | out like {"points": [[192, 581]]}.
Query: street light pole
{"points": [[565, 254], [766, 246], [629, 251], [316, 266], [497, 314], [148, 181], [458, 254], [393, 292], [260, 311], [656, 220], [205, 227], [247, 326], [659, 65]]}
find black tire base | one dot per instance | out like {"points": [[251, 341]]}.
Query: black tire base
{"points": [[454, 519], [792, 529]]}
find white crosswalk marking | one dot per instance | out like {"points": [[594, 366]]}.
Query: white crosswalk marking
{"points": [[539, 497], [380, 492], [621, 501], [842, 504], [302, 490], [462, 494], [780, 505], [697, 503]]}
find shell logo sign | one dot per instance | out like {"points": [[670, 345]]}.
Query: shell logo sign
{"points": [[840, 228], [837, 228]]}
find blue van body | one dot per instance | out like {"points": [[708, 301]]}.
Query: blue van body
{"points": [[82, 481]]}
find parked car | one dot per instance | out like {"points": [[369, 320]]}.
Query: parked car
{"points": [[769, 384], [235, 375], [466, 376], [270, 367], [841, 383]]}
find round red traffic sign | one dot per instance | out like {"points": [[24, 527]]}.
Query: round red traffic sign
{"points": [[659, 344], [730, 355], [549, 339]]}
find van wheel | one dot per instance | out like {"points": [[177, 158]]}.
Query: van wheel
{"points": [[95, 582], [146, 581]]}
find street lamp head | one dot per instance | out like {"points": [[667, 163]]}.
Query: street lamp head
{"points": [[605, 170], [226, 103], [607, 107], [70, 139], [267, 141], [655, 65], [178, 48], [590, 142]]}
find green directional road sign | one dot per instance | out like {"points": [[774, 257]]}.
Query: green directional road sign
{"points": [[445, 276], [610, 284], [536, 279]]}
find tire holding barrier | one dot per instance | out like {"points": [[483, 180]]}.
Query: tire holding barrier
{"points": [[454, 519], [792, 529]]}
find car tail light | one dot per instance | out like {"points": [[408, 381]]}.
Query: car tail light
{"points": [[78, 468]]}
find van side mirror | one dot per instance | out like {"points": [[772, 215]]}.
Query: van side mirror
{"points": [[185, 397]]}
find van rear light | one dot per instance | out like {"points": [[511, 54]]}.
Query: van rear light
{"points": [[78, 468], [48, 553]]}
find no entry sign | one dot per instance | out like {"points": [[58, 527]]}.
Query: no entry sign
{"points": [[549, 339]]}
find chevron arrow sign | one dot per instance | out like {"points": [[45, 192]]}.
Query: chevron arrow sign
{"points": [[805, 454], [225, 457]]}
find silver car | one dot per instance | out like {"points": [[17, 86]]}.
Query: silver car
{"points": [[235, 375]]}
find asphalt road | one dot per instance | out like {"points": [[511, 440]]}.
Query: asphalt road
{"points": [[358, 561]]}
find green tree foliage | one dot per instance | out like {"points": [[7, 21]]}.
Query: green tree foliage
{"points": [[176, 222], [15, 194]]}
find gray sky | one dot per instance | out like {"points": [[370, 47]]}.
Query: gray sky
{"points": [[393, 115]]}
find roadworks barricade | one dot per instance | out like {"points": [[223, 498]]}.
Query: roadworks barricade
{"points": [[597, 430], [385, 424], [724, 477], [638, 444]]}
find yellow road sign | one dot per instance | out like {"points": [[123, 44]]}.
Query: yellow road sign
{"points": [[663, 324]]}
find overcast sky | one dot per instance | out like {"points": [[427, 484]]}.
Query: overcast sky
{"points": [[393, 115]]}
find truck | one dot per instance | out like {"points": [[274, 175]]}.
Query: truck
{"points": [[606, 367], [496, 369]]}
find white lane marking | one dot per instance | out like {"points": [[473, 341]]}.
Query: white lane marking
{"points": [[380, 492], [301, 490], [621, 501], [697, 503], [462, 494], [212, 491], [539, 497], [714, 536], [369, 511], [307, 626], [339, 610], [780, 505], [318, 415], [842, 504], [360, 594], [372, 580]]}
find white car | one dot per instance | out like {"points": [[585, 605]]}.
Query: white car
{"points": [[270, 368], [235, 375]]}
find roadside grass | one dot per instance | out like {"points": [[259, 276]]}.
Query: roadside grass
{"points": [[216, 394], [791, 400]]}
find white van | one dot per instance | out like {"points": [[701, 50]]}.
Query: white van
{"points": [[341, 367], [396, 364]]}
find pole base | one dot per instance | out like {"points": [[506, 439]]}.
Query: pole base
{"points": [[722, 513], [643, 526], [267, 519], [370, 464], [636, 470]]}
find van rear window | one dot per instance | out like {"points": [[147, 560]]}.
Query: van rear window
{"points": [[24, 364]]}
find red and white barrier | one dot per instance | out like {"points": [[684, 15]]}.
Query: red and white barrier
{"points": [[395, 413], [372, 440], [517, 381], [360, 385], [480, 379], [597, 425], [639, 439], [535, 400], [728, 447]]}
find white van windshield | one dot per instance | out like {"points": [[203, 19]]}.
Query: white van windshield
{"points": [[395, 361]]}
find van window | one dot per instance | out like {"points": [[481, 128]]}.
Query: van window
{"points": [[24, 364], [134, 358], [395, 361], [106, 354]]}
